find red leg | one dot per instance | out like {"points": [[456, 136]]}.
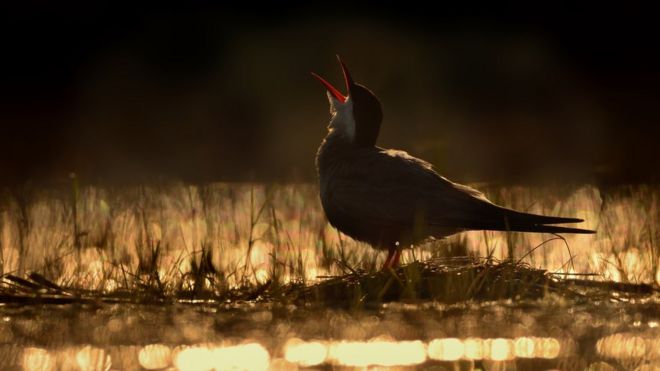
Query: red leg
{"points": [[393, 256], [388, 261], [395, 259]]}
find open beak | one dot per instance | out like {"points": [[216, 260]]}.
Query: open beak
{"points": [[332, 90]]}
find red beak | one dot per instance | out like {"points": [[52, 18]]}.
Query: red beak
{"points": [[347, 79]]}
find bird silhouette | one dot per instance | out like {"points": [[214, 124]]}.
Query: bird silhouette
{"points": [[390, 199]]}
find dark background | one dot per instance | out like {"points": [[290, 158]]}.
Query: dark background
{"points": [[502, 94]]}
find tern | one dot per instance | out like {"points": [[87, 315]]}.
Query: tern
{"points": [[390, 199]]}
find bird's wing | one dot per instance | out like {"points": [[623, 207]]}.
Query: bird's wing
{"points": [[392, 187], [389, 187]]}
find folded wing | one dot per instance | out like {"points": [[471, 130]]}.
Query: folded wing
{"points": [[392, 188]]}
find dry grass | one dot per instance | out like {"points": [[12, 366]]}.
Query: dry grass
{"points": [[443, 280]]}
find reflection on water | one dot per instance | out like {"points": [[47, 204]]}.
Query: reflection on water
{"points": [[500, 349], [376, 352], [473, 348], [537, 347], [250, 356], [305, 353], [37, 359], [551, 335], [254, 356], [447, 349], [93, 358], [155, 356], [70, 358], [629, 346]]}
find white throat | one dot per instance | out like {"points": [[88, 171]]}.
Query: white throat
{"points": [[342, 116]]}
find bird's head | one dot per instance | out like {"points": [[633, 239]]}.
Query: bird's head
{"points": [[357, 114]]}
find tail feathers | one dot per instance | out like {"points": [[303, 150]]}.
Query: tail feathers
{"points": [[517, 217], [537, 228], [515, 221], [502, 219]]}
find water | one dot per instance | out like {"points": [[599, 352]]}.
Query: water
{"points": [[551, 333]]}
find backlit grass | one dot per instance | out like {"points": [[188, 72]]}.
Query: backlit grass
{"points": [[175, 237]]}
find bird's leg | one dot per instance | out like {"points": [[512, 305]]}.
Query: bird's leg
{"points": [[396, 257], [393, 256], [388, 261]]}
